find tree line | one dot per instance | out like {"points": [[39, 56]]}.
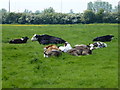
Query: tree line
{"points": [[97, 12]]}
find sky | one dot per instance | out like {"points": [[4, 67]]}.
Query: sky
{"points": [[78, 6]]}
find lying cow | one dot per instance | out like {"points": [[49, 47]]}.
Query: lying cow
{"points": [[47, 39], [66, 47], [52, 50], [106, 38], [80, 50], [19, 41], [97, 45]]}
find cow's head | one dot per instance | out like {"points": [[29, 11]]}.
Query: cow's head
{"points": [[26, 38], [91, 46], [35, 37]]}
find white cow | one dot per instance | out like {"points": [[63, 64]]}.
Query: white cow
{"points": [[66, 47]]}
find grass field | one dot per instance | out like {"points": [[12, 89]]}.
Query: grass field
{"points": [[23, 65]]}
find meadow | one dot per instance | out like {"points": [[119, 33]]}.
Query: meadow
{"points": [[23, 65]]}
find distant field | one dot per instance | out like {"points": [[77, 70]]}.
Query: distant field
{"points": [[23, 65]]}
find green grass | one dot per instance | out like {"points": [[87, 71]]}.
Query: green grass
{"points": [[23, 65]]}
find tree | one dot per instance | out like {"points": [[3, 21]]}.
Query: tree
{"points": [[3, 10], [27, 11], [88, 17], [116, 8], [99, 5], [110, 18], [37, 12], [49, 10], [71, 11], [22, 19], [3, 15], [13, 18], [99, 16], [90, 6]]}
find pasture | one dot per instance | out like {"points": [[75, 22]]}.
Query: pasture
{"points": [[23, 65]]}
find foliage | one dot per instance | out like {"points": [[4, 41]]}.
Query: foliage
{"points": [[110, 18], [23, 65], [27, 11], [49, 16], [12, 18], [37, 12], [49, 10], [99, 16], [117, 8], [97, 5], [3, 14], [88, 17], [71, 11]]}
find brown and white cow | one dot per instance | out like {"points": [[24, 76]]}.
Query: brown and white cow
{"points": [[52, 50]]}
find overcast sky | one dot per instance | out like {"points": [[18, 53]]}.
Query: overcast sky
{"points": [[33, 5]]}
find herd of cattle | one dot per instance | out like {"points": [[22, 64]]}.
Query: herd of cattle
{"points": [[54, 50]]}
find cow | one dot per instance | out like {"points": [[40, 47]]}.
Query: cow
{"points": [[52, 50], [66, 47], [106, 38], [19, 41], [47, 39], [97, 45], [79, 50]]}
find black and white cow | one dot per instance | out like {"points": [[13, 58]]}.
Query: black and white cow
{"points": [[97, 45], [106, 38], [19, 41], [47, 39]]}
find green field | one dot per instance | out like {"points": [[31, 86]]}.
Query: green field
{"points": [[23, 65]]}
